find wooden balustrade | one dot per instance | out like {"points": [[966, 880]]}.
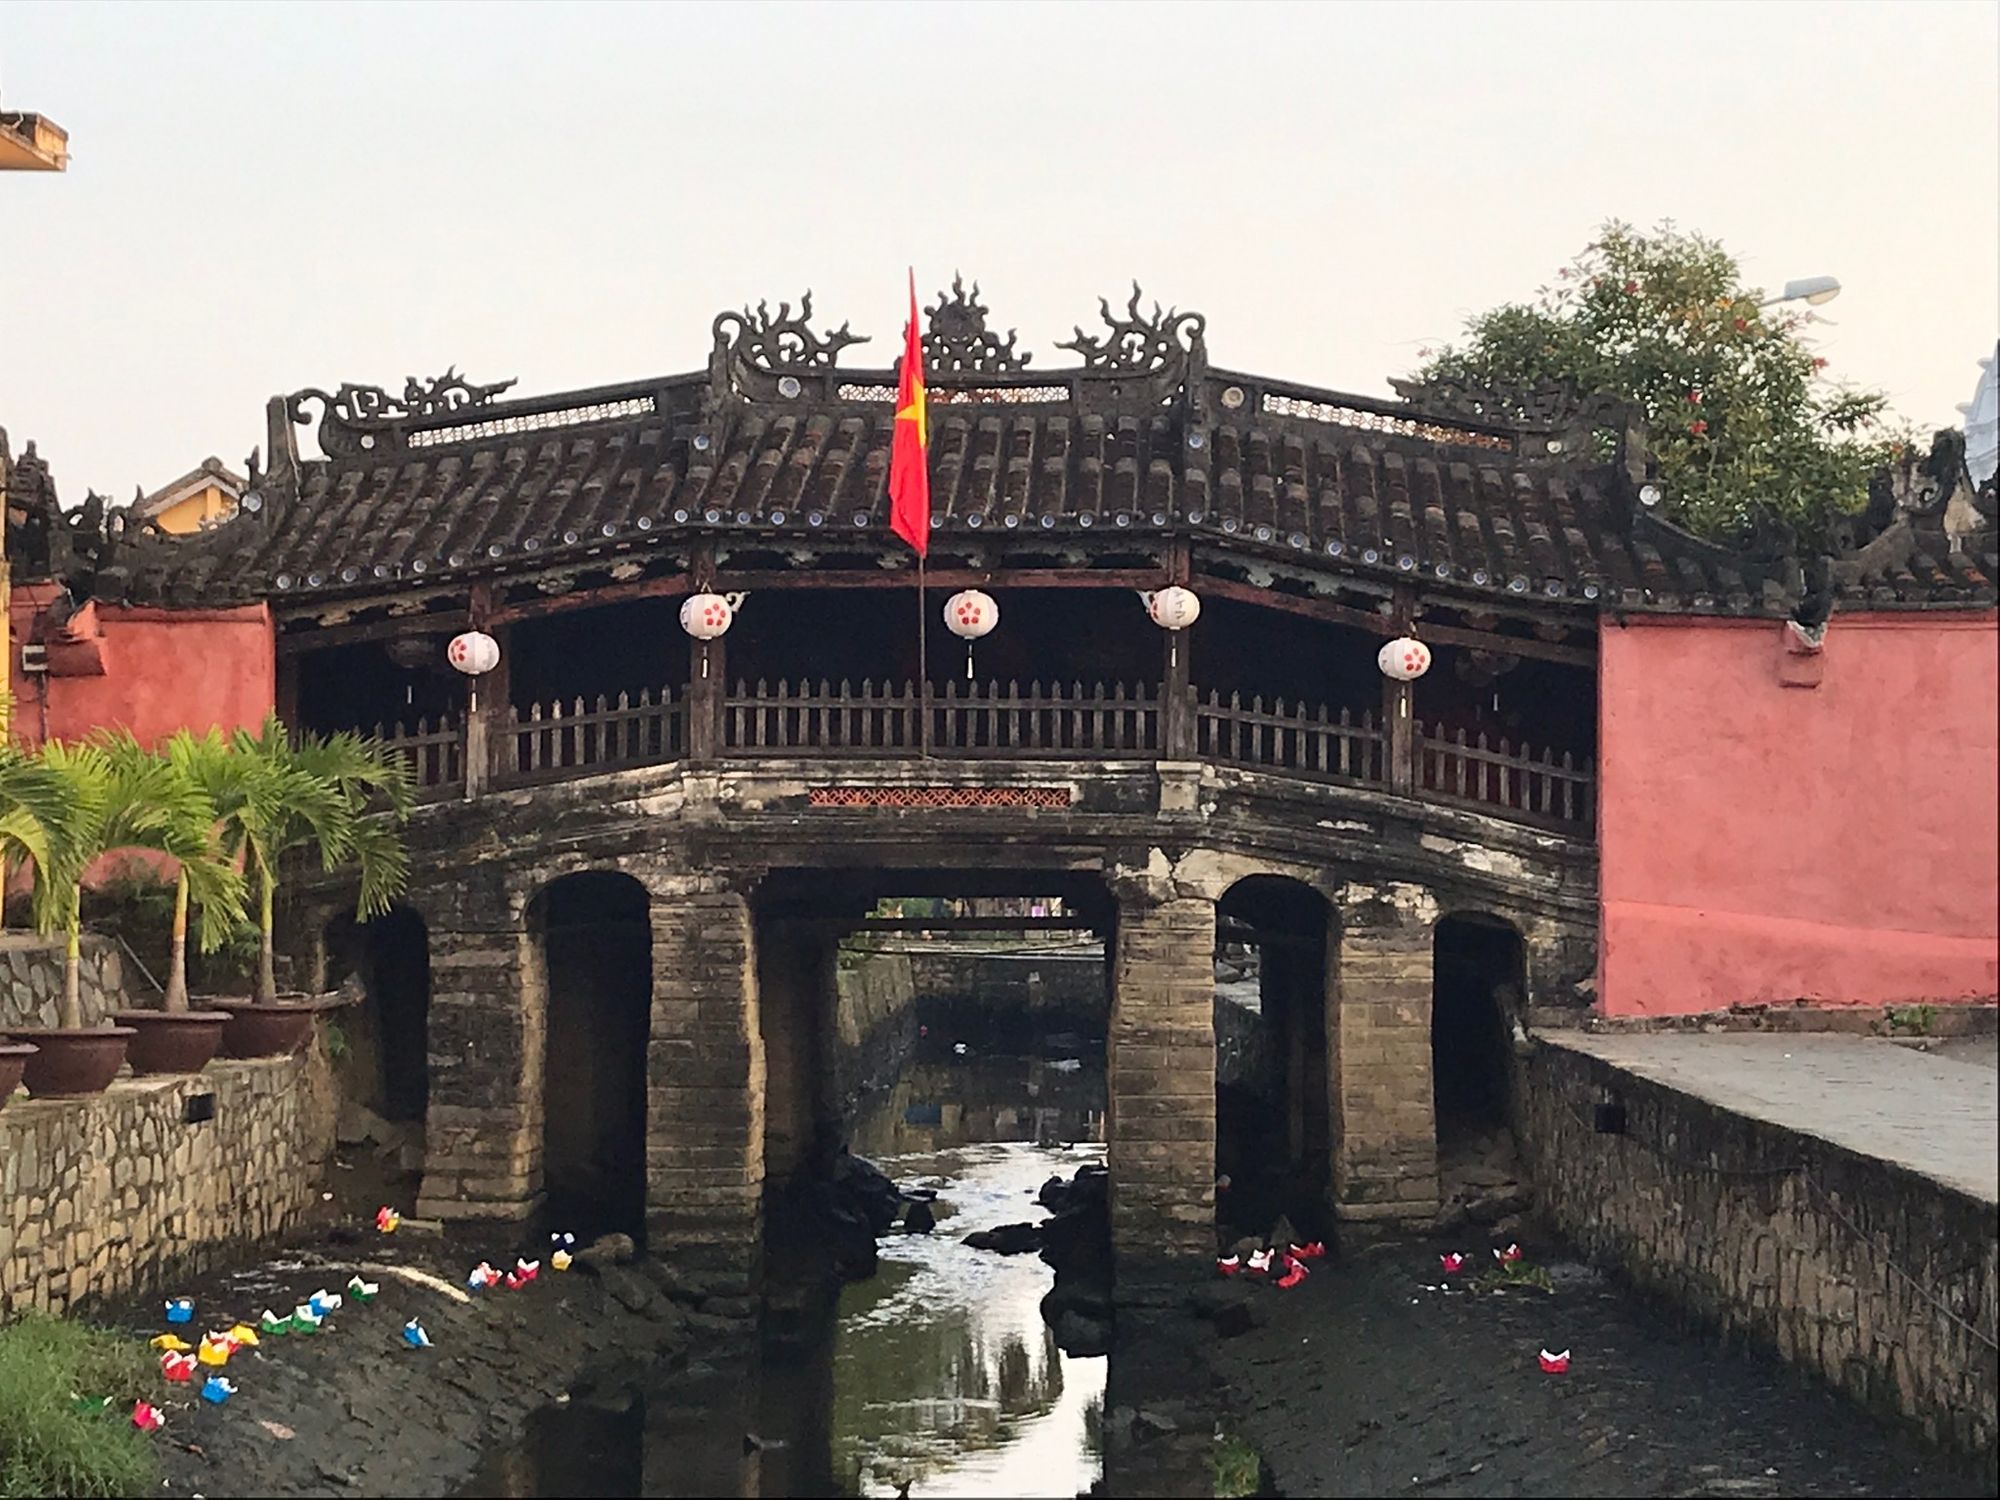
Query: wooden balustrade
{"points": [[434, 753], [1512, 780], [607, 734], [1105, 723], [1318, 743], [999, 721]]}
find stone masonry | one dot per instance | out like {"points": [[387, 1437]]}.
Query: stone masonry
{"points": [[1737, 1222], [1161, 1055], [705, 1089], [31, 979], [1384, 1126], [103, 1195]]}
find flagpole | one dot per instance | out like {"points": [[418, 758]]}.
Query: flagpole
{"points": [[923, 666]]}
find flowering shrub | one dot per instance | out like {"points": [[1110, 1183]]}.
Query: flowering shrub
{"points": [[1750, 438]]}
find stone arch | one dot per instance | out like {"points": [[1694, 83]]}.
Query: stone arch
{"points": [[1479, 977], [1273, 1111], [591, 966], [385, 1066]]}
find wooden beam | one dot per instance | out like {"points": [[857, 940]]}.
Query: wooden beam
{"points": [[1385, 626], [951, 578], [448, 622]]}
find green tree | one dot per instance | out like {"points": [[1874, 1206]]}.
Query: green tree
{"points": [[125, 797], [41, 818], [174, 783], [273, 797], [1751, 438]]}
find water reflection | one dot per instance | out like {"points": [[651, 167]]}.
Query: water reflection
{"points": [[935, 1377]]}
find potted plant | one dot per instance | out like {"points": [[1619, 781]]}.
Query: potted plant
{"points": [[52, 821], [159, 802], [274, 797]]}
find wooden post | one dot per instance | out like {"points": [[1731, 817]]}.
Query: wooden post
{"points": [[1399, 723], [1177, 738], [486, 703], [708, 661]]}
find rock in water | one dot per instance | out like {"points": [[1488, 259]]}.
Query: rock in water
{"points": [[1007, 1239], [608, 1250], [919, 1218]]}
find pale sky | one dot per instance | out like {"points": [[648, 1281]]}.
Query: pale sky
{"points": [[265, 197]]}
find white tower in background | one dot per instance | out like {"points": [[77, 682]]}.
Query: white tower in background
{"points": [[1982, 422]]}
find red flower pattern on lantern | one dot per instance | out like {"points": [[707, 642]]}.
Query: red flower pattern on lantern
{"points": [[970, 614], [1405, 659], [474, 653], [706, 616]]}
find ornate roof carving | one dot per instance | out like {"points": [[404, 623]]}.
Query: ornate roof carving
{"points": [[960, 343], [352, 417], [1165, 349]]}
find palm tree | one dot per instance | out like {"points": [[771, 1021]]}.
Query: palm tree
{"points": [[273, 797], [127, 799], [40, 817], [183, 824]]}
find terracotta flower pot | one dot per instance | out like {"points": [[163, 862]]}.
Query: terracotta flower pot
{"points": [[69, 1064], [171, 1041], [13, 1060], [257, 1030]]}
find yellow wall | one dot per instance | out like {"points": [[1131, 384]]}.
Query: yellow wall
{"points": [[210, 503]]}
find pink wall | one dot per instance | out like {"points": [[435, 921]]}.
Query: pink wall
{"points": [[1764, 843], [161, 670]]}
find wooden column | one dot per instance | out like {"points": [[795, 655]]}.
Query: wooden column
{"points": [[1177, 739], [1177, 736], [1399, 712], [486, 703], [708, 661]]}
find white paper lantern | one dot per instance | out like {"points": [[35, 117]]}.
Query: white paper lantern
{"points": [[706, 616], [1173, 608], [1405, 659], [475, 653], [971, 615]]}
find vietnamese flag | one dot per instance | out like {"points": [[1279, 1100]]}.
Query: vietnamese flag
{"points": [[909, 458]]}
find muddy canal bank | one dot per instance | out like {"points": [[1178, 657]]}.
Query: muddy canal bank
{"points": [[355, 1410]]}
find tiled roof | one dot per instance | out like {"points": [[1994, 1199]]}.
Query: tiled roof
{"points": [[1142, 439]]}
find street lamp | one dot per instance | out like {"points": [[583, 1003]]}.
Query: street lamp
{"points": [[1817, 290]]}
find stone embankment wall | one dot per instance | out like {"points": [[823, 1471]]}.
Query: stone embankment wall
{"points": [[104, 1195], [31, 979], [1068, 984], [1737, 1224], [874, 1022]]}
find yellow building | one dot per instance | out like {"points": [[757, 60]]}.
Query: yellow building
{"points": [[205, 496], [32, 143]]}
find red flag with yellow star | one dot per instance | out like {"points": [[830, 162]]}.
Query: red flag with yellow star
{"points": [[909, 457]]}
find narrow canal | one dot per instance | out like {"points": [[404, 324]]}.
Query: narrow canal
{"points": [[938, 1376]]}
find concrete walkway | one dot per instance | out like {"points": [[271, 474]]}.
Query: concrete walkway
{"points": [[1933, 1113]]}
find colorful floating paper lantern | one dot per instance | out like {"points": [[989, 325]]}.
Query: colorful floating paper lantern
{"points": [[474, 652], [1404, 659], [217, 1389], [147, 1417], [363, 1291], [414, 1335], [180, 1310], [1173, 607], [179, 1368], [1554, 1364], [386, 1219]]}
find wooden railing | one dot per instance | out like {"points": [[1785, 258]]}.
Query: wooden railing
{"points": [[567, 739], [434, 753], [1317, 742], [965, 720], [974, 721], [1512, 780]]}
